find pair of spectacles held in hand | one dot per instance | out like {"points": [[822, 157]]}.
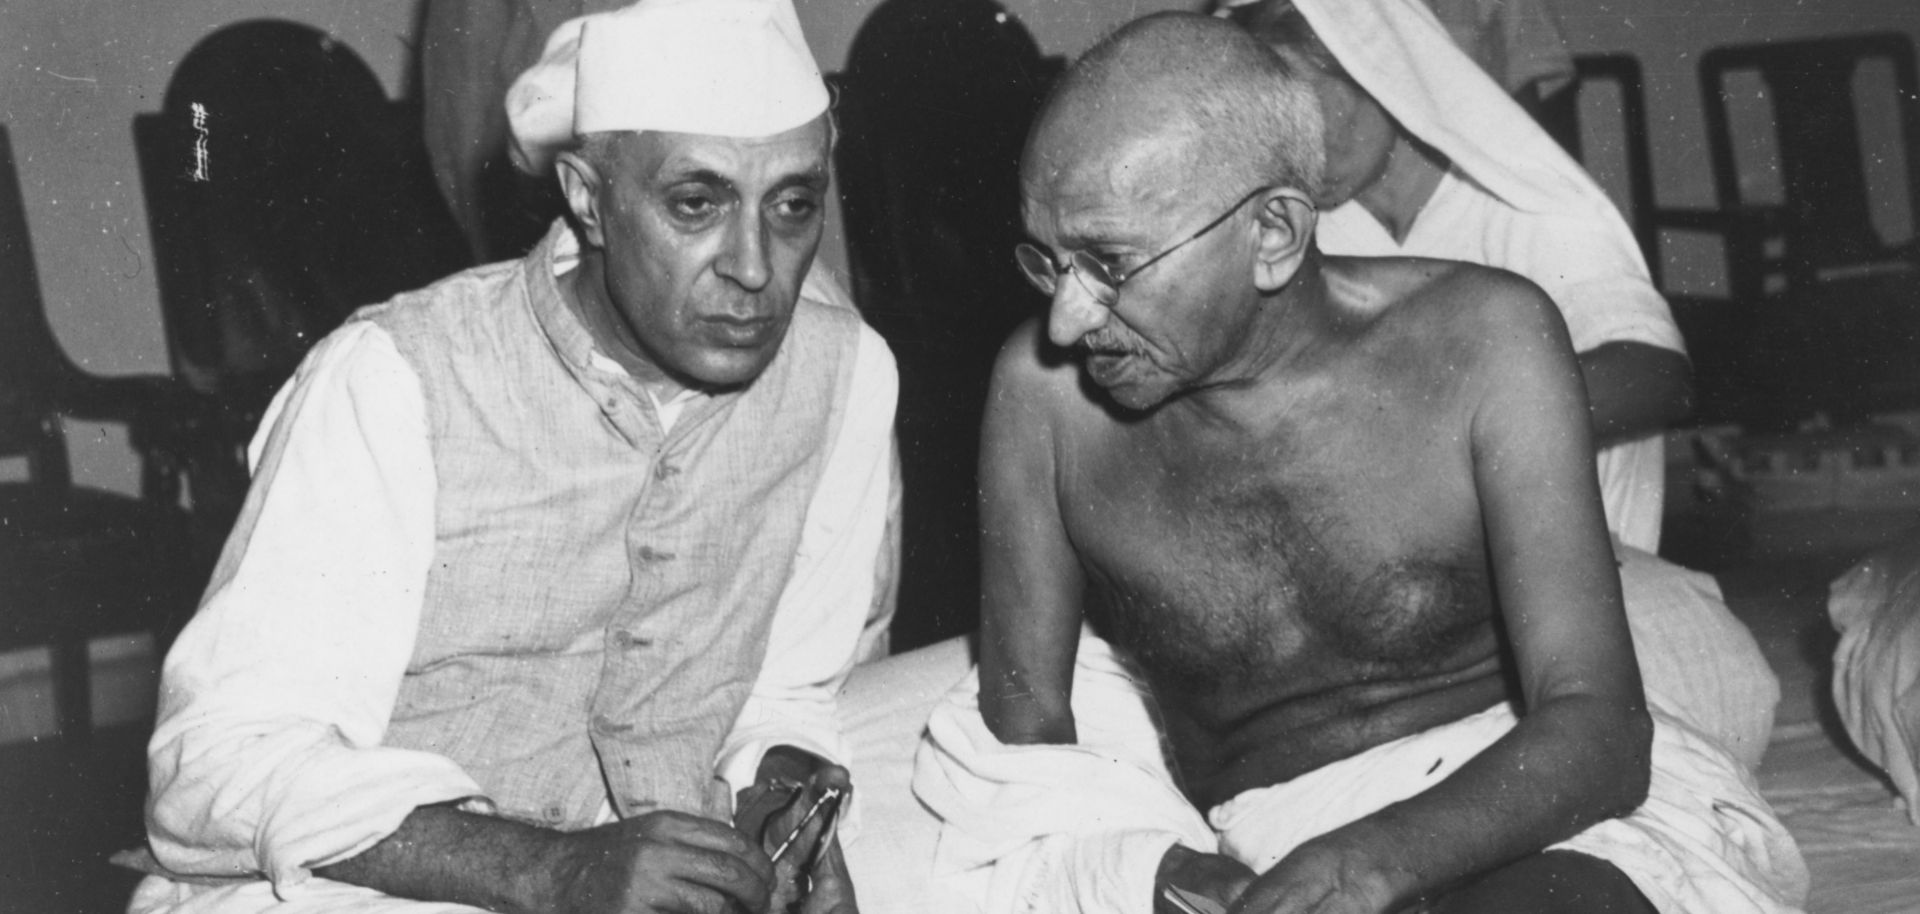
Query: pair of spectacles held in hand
{"points": [[829, 804]]}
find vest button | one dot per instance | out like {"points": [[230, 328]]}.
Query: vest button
{"points": [[650, 554], [555, 813], [664, 470], [627, 639]]}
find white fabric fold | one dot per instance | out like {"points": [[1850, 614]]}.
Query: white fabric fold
{"points": [[1875, 606], [1400, 53], [1697, 660], [1054, 829], [266, 685]]}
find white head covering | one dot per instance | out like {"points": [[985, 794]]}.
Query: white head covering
{"points": [[737, 68], [1398, 51]]}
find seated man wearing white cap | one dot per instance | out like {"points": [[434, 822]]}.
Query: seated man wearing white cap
{"points": [[551, 571]]}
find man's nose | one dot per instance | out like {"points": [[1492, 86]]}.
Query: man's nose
{"points": [[744, 259], [1073, 313]]}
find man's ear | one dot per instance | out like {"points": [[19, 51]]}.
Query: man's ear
{"points": [[1287, 219], [580, 184]]}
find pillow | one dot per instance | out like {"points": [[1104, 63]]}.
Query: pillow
{"points": [[1876, 669]]}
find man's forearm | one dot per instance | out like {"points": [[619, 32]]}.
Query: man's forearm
{"points": [[1563, 768], [1635, 390], [440, 853]]}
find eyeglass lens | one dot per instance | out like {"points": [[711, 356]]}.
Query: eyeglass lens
{"points": [[1093, 275]]}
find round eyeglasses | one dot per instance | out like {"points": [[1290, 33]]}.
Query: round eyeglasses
{"points": [[1101, 280]]}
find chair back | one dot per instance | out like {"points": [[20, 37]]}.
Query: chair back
{"points": [[1622, 74], [933, 111], [1828, 198], [33, 367], [284, 190]]}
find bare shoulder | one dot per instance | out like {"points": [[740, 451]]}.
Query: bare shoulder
{"points": [[1461, 308], [1477, 298]]}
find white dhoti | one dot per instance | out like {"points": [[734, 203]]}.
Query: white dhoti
{"points": [[1055, 829], [1704, 840]]}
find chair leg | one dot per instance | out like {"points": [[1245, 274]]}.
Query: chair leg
{"points": [[73, 691]]}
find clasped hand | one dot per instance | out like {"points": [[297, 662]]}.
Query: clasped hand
{"points": [[676, 863], [794, 822]]}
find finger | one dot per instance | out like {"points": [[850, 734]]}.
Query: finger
{"points": [[830, 866], [703, 880], [830, 776], [832, 885], [799, 840], [698, 831], [1270, 900], [758, 806], [704, 834]]}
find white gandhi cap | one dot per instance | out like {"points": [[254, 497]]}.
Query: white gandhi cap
{"points": [[737, 68]]}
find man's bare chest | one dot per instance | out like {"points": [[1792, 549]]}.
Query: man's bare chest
{"points": [[1279, 569]]}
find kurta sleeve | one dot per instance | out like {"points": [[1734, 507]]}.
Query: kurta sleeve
{"points": [[267, 756], [834, 608], [1592, 272]]}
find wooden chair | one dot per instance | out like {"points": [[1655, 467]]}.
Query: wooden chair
{"points": [[1560, 115], [933, 108], [1835, 307], [78, 563], [284, 190]]}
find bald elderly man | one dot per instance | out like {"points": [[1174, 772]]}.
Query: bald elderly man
{"points": [[551, 571], [1336, 518]]}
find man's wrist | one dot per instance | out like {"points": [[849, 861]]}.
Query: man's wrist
{"points": [[441, 853]]}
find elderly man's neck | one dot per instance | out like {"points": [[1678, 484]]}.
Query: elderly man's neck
{"points": [[584, 290], [1298, 328]]}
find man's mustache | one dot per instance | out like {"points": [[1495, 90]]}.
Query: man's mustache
{"points": [[1106, 342]]}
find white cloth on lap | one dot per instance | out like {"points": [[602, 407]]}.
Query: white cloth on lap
{"points": [[1049, 829], [1056, 829], [1704, 841], [1876, 667]]}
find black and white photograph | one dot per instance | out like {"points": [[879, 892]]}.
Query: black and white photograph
{"points": [[960, 457]]}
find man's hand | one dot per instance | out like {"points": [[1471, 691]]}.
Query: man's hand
{"points": [[1320, 877], [832, 891], [810, 875], [1214, 876], [660, 862]]}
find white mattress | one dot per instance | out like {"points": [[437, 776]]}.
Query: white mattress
{"points": [[1863, 853]]}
